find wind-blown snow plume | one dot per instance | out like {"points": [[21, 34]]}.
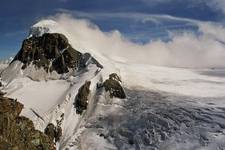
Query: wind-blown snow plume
{"points": [[186, 49]]}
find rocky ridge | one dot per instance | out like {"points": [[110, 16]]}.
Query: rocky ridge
{"points": [[49, 51]]}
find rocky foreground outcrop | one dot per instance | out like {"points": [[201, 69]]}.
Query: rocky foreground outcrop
{"points": [[113, 86], [18, 132]]}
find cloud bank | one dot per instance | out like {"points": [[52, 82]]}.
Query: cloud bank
{"points": [[187, 49], [218, 5]]}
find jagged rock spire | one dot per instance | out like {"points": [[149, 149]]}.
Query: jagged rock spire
{"points": [[50, 51]]}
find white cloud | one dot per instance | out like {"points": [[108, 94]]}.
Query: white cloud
{"points": [[184, 50], [127, 15], [217, 5]]}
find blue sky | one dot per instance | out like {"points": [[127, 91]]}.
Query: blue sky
{"points": [[127, 16]]}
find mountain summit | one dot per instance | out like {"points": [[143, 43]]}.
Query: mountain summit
{"points": [[50, 51], [46, 55], [58, 85]]}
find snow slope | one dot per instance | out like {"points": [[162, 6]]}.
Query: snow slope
{"points": [[166, 108], [3, 66], [189, 82], [170, 91]]}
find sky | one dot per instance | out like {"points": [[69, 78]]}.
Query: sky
{"points": [[140, 21]]}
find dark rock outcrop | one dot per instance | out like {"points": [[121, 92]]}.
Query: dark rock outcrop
{"points": [[18, 132], [53, 52], [50, 51], [2, 94], [88, 59], [81, 100], [113, 86], [58, 133], [53, 132], [50, 131]]}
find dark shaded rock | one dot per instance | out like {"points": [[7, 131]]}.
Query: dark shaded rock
{"points": [[131, 141], [2, 94], [114, 87], [114, 76], [18, 132], [81, 100], [88, 59], [1, 84], [50, 131], [50, 51], [58, 134], [53, 132], [103, 135]]}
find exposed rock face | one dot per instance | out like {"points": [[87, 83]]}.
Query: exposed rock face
{"points": [[53, 52], [58, 134], [88, 59], [18, 132], [81, 100], [114, 87], [114, 76], [50, 51], [54, 133]]}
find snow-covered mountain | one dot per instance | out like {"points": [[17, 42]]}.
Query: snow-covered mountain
{"points": [[103, 102]]}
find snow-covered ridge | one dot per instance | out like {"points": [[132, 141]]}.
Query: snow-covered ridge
{"points": [[14, 71], [142, 75], [78, 41], [49, 94]]}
